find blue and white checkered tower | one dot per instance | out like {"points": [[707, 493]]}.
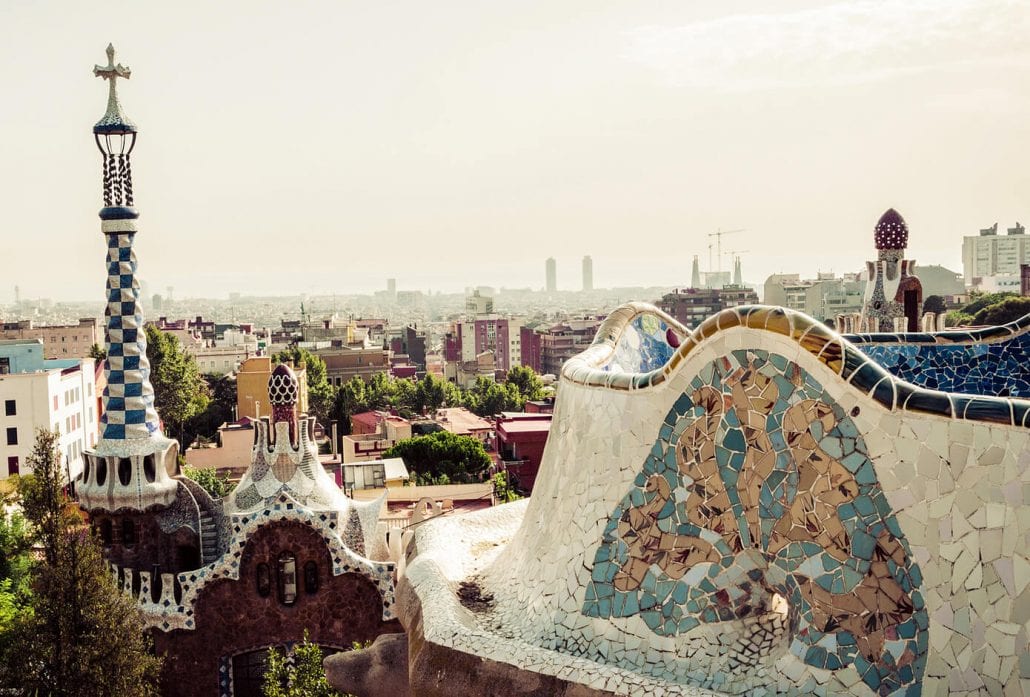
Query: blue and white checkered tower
{"points": [[133, 464]]}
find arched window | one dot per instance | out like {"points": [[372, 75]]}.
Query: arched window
{"points": [[124, 470], [149, 468], [128, 532], [287, 579], [264, 581], [311, 578], [106, 531]]}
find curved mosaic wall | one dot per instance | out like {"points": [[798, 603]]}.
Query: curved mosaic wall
{"points": [[991, 361], [760, 488], [754, 507]]}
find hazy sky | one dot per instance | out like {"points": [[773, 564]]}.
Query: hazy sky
{"points": [[325, 146]]}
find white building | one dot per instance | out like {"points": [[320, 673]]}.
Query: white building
{"points": [[823, 297], [989, 255], [37, 393]]}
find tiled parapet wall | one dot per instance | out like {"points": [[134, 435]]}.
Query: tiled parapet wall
{"points": [[768, 511], [989, 361]]}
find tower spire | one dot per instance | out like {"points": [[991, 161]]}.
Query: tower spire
{"points": [[131, 439]]}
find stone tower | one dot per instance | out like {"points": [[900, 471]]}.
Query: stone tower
{"points": [[132, 466], [893, 296]]}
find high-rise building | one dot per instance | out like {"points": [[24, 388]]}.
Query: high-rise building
{"points": [[990, 255], [552, 275], [695, 274], [391, 289], [588, 273]]}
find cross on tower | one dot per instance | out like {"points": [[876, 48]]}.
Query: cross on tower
{"points": [[111, 71], [114, 120]]}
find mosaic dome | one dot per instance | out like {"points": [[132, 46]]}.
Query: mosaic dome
{"points": [[891, 231], [282, 386]]}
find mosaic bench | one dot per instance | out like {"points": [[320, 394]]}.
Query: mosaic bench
{"points": [[755, 507]]}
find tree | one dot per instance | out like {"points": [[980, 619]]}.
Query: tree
{"points": [[96, 352], [460, 458], [503, 491], [220, 407], [15, 547], [320, 392], [210, 481], [935, 304], [83, 635], [487, 397], [179, 392], [526, 381], [1008, 310], [978, 301], [301, 677]]}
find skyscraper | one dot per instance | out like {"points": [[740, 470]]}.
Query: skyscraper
{"points": [[552, 275], [588, 273]]}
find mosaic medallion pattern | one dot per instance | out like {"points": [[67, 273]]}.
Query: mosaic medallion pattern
{"points": [[759, 497]]}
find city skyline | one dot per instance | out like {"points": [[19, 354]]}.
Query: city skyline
{"points": [[628, 133]]}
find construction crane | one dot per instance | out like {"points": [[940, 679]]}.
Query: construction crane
{"points": [[718, 241]]}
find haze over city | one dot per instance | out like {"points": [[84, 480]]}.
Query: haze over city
{"points": [[462, 143]]}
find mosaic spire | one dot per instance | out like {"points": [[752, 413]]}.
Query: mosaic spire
{"points": [[129, 397], [131, 439]]}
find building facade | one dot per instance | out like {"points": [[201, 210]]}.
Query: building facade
{"points": [[691, 306], [59, 341], [990, 255], [37, 393]]}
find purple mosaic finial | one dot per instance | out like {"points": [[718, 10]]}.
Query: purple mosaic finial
{"points": [[283, 392]]}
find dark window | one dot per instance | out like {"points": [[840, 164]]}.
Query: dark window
{"points": [[106, 531], [187, 557], [311, 578], [149, 471], [10, 408], [101, 470], [5, 365], [128, 532], [248, 673], [12, 465], [264, 581], [124, 470], [287, 579], [12, 436]]}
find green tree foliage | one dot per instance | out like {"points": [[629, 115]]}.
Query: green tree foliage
{"points": [[96, 352], [220, 407], [935, 304], [15, 545], [1008, 310], [487, 398], [320, 392], [179, 392], [303, 676], [526, 381], [955, 318], [83, 636], [978, 301], [209, 480], [460, 458], [503, 491]]}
